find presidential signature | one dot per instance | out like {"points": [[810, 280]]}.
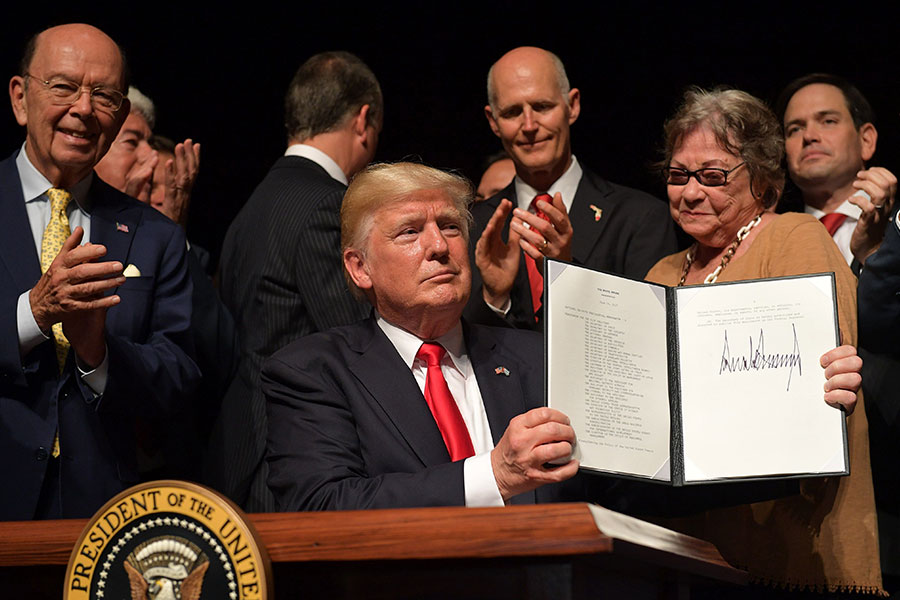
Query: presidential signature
{"points": [[757, 359]]}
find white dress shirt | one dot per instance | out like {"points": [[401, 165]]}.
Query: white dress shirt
{"points": [[37, 207], [318, 157], [478, 474], [843, 234], [566, 185]]}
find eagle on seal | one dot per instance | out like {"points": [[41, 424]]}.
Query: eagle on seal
{"points": [[158, 570]]}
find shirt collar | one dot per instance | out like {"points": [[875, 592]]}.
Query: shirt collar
{"points": [[35, 185], [318, 157], [408, 345], [566, 185], [846, 208]]}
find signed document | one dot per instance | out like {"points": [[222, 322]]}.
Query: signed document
{"points": [[694, 384]]}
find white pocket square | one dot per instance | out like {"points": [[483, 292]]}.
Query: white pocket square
{"points": [[131, 271]]}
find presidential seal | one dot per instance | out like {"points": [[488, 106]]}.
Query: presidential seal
{"points": [[168, 540]]}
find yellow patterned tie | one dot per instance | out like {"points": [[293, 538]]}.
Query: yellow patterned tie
{"points": [[54, 235]]}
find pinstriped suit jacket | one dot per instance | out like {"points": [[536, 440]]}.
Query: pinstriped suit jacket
{"points": [[281, 277]]}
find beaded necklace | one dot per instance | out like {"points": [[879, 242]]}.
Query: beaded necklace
{"points": [[742, 233]]}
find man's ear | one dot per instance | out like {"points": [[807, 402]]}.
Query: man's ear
{"points": [[491, 121], [360, 121], [355, 264], [17, 99], [573, 100], [868, 140]]}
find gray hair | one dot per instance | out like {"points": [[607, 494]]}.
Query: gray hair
{"points": [[142, 105], [743, 125], [562, 80]]}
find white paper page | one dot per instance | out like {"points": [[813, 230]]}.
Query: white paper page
{"points": [[751, 384], [606, 363]]}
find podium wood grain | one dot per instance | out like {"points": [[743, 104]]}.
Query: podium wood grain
{"points": [[389, 539]]}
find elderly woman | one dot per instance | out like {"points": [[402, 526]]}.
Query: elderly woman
{"points": [[723, 170], [723, 155]]}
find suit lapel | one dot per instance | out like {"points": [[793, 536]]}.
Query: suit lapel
{"points": [[587, 227], [392, 385], [502, 394], [17, 251], [113, 223]]}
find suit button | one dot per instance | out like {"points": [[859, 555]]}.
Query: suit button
{"points": [[41, 453]]}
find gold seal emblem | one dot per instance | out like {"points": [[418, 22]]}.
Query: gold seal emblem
{"points": [[168, 540]]}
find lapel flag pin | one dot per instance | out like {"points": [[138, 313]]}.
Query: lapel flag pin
{"points": [[121, 227], [598, 212], [501, 371]]}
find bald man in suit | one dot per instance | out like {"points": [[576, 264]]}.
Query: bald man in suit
{"points": [[555, 206], [94, 290]]}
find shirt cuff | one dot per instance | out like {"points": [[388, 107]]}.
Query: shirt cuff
{"points": [[481, 487], [30, 335], [96, 378]]}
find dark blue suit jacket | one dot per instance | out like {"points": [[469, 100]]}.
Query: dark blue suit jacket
{"points": [[879, 295], [149, 351], [348, 427]]}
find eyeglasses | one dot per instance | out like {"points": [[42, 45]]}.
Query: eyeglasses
{"points": [[710, 176], [64, 92]]}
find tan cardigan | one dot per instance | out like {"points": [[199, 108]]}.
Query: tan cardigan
{"points": [[826, 537]]}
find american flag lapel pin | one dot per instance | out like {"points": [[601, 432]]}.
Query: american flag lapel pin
{"points": [[501, 370], [598, 212], [121, 227]]}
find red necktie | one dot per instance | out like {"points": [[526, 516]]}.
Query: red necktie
{"points": [[832, 221], [443, 406], [535, 279]]}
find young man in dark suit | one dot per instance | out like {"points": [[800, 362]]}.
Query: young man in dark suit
{"points": [[94, 290], [830, 137], [280, 270]]}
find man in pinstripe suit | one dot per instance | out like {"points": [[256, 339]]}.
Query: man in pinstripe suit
{"points": [[281, 262]]}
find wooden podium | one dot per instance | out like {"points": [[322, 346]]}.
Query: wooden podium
{"points": [[549, 551]]}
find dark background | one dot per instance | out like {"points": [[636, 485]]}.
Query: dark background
{"points": [[219, 75]]}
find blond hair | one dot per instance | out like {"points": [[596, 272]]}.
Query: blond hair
{"points": [[379, 185]]}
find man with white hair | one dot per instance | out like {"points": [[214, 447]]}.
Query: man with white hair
{"points": [[130, 163], [133, 166]]}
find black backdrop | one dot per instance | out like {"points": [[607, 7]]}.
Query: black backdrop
{"points": [[219, 75]]}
